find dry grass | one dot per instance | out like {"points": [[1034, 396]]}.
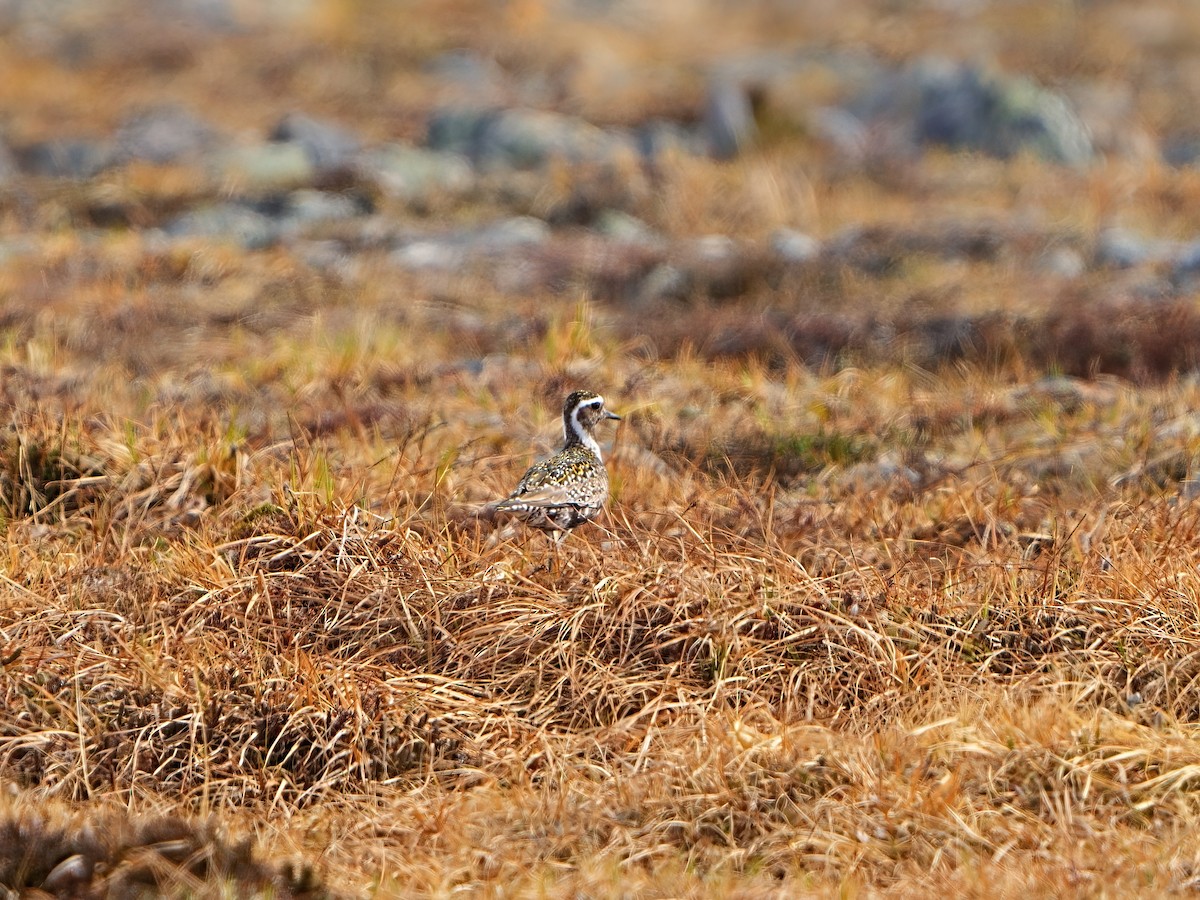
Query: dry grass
{"points": [[897, 594], [777, 666]]}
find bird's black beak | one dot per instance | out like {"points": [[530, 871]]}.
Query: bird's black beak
{"points": [[609, 414]]}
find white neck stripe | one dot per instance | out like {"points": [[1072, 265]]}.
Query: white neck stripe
{"points": [[581, 433]]}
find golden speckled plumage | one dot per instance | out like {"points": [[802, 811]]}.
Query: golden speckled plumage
{"points": [[571, 487]]}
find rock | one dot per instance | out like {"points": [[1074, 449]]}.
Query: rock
{"points": [[515, 232], [1181, 149], [711, 248], [963, 107], [231, 15], [716, 266], [329, 146], [326, 256], [888, 470], [728, 118], [232, 222], [524, 138], [163, 134], [457, 249], [413, 173], [794, 246], [263, 223], [620, 226], [67, 158], [1123, 249], [532, 139], [429, 255], [1064, 262], [305, 207], [881, 250], [1185, 266], [218, 15], [268, 166], [457, 129], [663, 282]]}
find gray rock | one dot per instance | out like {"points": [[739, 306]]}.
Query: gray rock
{"points": [[529, 139], [794, 246], [218, 15], [429, 255], [231, 15], [888, 469], [24, 12], [67, 158], [663, 282], [414, 173], [728, 118], [451, 251], [518, 231], [1064, 262], [963, 107], [269, 166], [1181, 149], [232, 222], [163, 134], [716, 266], [1185, 266], [326, 256], [255, 225], [1123, 249], [307, 207], [330, 147], [458, 129], [711, 248], [524, 138], [621, 226]]}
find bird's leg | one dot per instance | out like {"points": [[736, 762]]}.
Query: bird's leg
{"points": [[547, 564]]}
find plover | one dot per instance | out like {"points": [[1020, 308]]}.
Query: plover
{"points": [[570, 487]]}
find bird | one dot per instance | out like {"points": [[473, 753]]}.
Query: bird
{"points": [[571, 487]]}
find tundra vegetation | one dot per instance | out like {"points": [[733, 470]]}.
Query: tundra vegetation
{"points": [[897, 593]]}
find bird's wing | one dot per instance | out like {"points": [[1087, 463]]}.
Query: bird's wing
{"points": [[546, 495]]}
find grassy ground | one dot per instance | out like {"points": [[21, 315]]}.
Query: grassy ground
{"points": [[865, 617]]}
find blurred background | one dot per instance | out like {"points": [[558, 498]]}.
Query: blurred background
{"points": [[870, 157], [1125, 71]]}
